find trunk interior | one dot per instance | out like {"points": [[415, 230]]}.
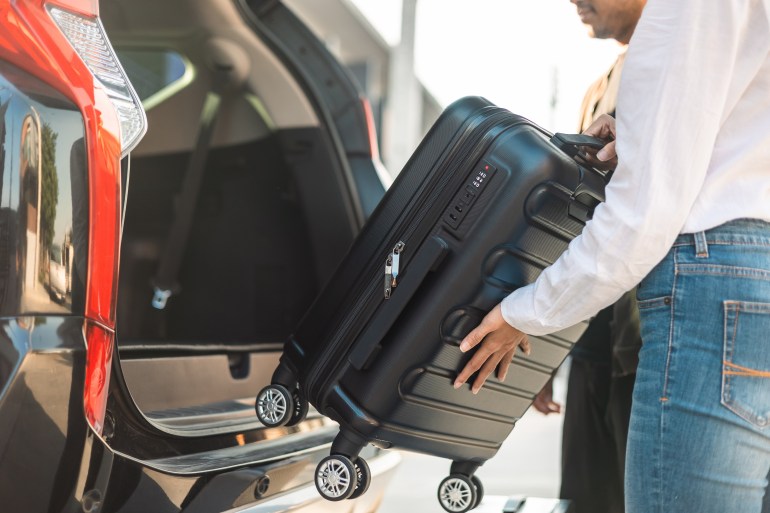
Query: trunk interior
{"points": [[245, 278], [275, 213]]}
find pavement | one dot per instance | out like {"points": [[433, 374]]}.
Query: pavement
{"points": [[528, 464]]}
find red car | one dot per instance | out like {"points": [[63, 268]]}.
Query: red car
{"points": [[139, 317]]}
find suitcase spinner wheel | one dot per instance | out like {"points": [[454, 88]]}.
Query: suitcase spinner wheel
{"points": [[336, 478], [458, 493], [276, 406], [364, 476], [479, 490], [300, 408]]}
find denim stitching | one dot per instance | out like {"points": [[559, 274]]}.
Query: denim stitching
{"points": [[661, 434], [664, 398], [701, 245], [729, 368], [752, 307], [739, 370], [724, 242], [645, 304], [725, 270], [726, 354], [736, 309]]}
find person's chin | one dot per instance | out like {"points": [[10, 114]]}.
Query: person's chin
{"points": [[598, 32]]}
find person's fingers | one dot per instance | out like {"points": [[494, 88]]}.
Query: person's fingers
{"points": [[472, 366], [525, 345], [505, 363], [495, 340], [545, 404], [487, 368], [541, 405], [490, 323], [475, 337], [603, 127], [607, 153], [589, 155]]}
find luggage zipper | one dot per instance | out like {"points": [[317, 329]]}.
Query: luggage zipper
{"points": [[367, 300], [391, 268]]}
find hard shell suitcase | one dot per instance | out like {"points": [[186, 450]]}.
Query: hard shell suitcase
{"points": [[486, 202]]}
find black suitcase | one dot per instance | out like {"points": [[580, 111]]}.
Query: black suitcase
{"points": [[485, 203]]}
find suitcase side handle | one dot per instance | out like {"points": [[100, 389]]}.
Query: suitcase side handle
{"points": [[427, 259], [587, 196]]}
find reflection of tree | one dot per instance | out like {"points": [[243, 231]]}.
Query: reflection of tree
{"points": [[49, 195]]}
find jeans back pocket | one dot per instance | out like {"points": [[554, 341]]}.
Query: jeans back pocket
{"points": [[746, 363]]}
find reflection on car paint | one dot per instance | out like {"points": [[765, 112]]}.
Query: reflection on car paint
{"points": [[43, 198]]}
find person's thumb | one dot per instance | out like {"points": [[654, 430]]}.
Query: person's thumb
{"points": [[607, 153]]}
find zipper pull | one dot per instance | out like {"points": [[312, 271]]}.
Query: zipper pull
{"points": [[392, 269]]}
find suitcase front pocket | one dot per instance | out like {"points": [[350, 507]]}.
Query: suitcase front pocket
{"points": [[428, 258]]}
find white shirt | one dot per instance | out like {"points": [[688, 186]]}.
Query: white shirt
{"points": [[693, 143]]}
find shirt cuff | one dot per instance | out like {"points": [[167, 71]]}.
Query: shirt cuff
{"points": [[518, 311]]}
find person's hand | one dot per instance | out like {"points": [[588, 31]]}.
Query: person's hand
{"points": [[544, 402], [603, 128], [499, 341]]}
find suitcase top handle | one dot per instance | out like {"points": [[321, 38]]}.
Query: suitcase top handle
{"points": [[571, 143]]}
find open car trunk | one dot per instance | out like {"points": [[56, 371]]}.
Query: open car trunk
{"points": [[287, 183]]}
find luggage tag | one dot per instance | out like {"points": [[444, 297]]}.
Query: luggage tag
{"points": [[392, 264]]}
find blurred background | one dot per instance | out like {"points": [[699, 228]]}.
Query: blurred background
{"points": [[414, 57]]}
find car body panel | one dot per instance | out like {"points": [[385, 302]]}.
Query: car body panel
{"points": [[43, 198]]}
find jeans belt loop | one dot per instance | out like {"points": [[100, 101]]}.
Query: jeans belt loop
{"points": [[701, 246]]}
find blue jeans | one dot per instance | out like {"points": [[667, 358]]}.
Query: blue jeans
{"points": [[699, 439]]}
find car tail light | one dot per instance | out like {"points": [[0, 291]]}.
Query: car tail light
{"points": [[87, 36], [374, 148], [99, 343], [370, 128]]}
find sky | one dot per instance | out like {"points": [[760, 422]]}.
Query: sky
{"points": [[509, 51]]}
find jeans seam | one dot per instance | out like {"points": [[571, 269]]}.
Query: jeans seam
{"points": [[659, 463], [723, 242], [727, 350], [724, 270], [646, 304], [664, 397]]}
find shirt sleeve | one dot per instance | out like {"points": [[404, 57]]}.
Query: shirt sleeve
{"points": [[676, 89]]}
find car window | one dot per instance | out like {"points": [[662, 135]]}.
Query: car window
{"points": [[156, 73]]}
